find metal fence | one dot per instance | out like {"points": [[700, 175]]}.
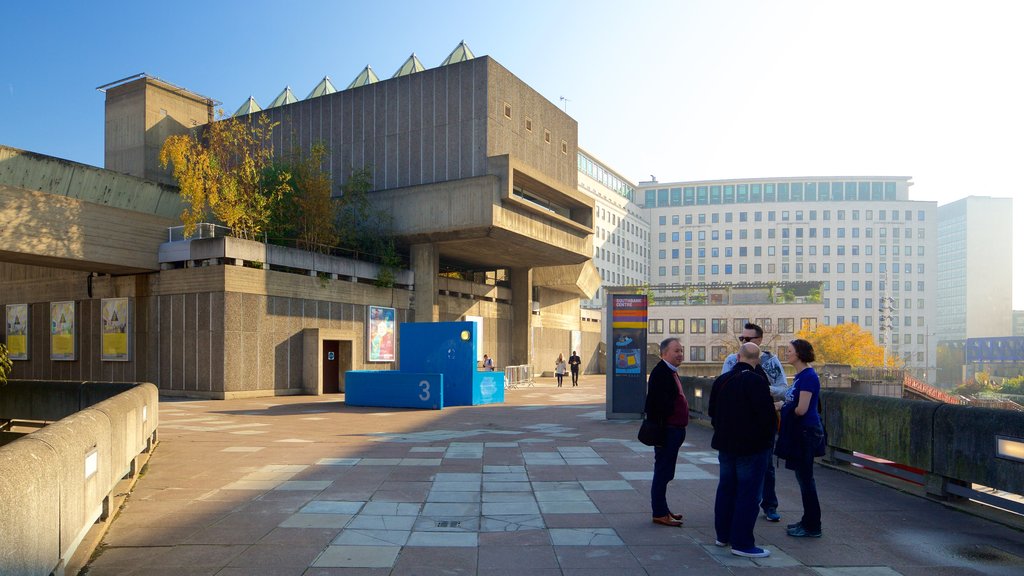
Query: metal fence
{"points": [[516, 376]]}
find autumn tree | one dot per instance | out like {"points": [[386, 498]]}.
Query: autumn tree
{"points": [[846, 344], [221, 171], [5, 364], [364, 229]]}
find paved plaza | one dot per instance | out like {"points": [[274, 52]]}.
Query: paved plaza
{"points": [[541, 485]]}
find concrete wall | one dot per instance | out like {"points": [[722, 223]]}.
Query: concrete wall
{"points": [[58, 481]]}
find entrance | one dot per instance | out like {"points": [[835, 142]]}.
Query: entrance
{"points": [[337, 359]]}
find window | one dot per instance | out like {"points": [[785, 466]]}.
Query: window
{"points": [[655, 326], [688, 235], [677, 326], [738, 323], [719, 353], [719, 325], [698, 354], [547, 136], [508, 110], [529, 124], [698, 326], [808, 324], [565, 147], [786, 325]]}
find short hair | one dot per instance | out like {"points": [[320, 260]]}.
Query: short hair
{"points": [[665, 343], [804, 350], [755, 328]]}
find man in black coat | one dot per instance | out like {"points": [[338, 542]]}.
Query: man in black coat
{"points": [[743, 416], [666, 404]]}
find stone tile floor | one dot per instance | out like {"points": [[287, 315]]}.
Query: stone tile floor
{"points": [[540, 485]]}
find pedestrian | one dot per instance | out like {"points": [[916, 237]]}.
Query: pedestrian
{"points": [[775, 375], [574, 367], [743, 416], [560, 369], [488, 364], [801, 435], [666, 404]]}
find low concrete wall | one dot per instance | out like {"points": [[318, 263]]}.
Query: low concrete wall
{"points": [[57, 482], [952, 444]]}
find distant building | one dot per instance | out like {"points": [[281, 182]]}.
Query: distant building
{"points": [[975, 268], [1018, 322], [862, 238], [622, 239]]}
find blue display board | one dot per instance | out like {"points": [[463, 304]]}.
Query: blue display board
{"points": [[394, 389]]}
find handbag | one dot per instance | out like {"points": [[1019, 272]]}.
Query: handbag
{"points": [[651, 433]]}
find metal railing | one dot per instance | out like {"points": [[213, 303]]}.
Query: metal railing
{"points": [[516, 376]]}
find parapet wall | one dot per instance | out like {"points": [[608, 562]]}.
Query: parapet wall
{"points": [[56, 483]]}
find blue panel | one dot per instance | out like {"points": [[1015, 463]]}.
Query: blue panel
{"points": [[488, 388], [394, 389], [447, 348]]}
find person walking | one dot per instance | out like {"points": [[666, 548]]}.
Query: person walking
{"points": [[743, 417], [560, 369], [771, 368], [801, 434], [666, 404], [574, 367]]}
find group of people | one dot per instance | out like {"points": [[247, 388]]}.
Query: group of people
{"points": [[749, 404], [573, 368]]}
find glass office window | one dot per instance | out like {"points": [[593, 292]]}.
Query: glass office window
{"points": [[675, 196]]}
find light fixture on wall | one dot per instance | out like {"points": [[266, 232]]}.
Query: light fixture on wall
{"points": [[465, 335]]}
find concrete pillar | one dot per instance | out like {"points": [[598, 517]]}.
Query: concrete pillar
{"points": [[425, 260], [522, 315]]}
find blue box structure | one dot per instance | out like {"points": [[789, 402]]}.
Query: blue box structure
{"points": [[437, 368]]}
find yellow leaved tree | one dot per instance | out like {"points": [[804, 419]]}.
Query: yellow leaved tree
{"points": [[846, 344], [5, 364], [220, 169]]}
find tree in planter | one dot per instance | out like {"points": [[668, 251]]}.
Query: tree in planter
{"points": [[362, 229], [305, 210], [221, 170]]}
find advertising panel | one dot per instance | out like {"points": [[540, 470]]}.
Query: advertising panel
{"points": [[17, 331], [380, 334], [62, 330], [114, 329]]}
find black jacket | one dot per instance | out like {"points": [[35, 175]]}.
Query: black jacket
{"points": [[662, 393], [742, 411]]}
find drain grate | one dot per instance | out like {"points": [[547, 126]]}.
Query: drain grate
{"points": [[449, 523]]}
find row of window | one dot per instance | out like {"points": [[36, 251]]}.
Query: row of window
{"points": [[759, 216], [606, 178], [769, 192], [722, 325], [727, 234], [786, 250], [528, 124], [797, 268]]}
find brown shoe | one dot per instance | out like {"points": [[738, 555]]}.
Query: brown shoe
{"points": [[675, 516], [666, 520]]}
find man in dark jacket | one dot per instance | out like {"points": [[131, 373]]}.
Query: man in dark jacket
{"points": [[743, 416], [666, 404]]}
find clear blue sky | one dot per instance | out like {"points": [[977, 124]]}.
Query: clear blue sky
{"points": [[682, 89]]}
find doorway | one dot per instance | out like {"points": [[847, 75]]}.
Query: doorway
{"points": [[337, 359]]}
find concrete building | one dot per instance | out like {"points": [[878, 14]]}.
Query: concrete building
{"points": [[622, 238], [975, 268], [478, 171], [871, 247]]}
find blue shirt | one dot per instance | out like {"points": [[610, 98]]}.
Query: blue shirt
{"points": [[806, 381]]}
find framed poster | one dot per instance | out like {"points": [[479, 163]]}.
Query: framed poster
{"points": [[62, 330], [114, 329], [17, 331], [380, 334]]}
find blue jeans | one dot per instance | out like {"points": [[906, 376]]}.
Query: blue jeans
{"points": [[665, 469], [809, 437], [740, 479]]}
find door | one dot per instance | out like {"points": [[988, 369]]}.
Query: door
{"points": [[332, 367]]}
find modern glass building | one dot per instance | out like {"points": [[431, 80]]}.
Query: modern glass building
{"points": [[871, 247], [974, 296]]}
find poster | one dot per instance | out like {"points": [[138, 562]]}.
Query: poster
{"points": [[17, 331], [626, 335], [380, 334], [114, 329], [62, 330]]}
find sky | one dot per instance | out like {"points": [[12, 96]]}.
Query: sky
{"points": [[679, 89]]}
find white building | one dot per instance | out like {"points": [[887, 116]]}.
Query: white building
{"points": [[621, 236], [872, 247]]}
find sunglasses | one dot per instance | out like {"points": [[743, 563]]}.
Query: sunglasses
{"points": [[748, 338]]}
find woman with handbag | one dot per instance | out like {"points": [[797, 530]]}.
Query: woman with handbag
{"points": [[801, 435]]}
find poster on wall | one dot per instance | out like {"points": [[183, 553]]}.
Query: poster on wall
{"points": [[62, 330], [114, 329], [17, 331], [380, 334]]}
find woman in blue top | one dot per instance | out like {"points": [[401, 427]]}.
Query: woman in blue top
{"points": [[801, 407]]}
